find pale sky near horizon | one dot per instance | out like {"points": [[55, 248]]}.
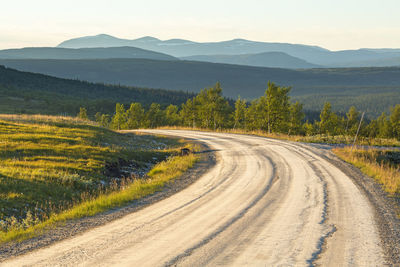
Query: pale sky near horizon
{"points": [[332, 24]]}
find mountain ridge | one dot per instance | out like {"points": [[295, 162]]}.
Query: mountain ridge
{"points": [[317, 55]]}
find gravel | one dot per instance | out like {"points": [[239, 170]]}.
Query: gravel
{"points": [[387, 209]]}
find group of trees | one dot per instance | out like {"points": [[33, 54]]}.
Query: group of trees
{"points": [[273, 113], [385, 126]]}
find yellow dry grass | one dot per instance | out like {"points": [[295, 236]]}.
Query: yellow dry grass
{"points": [[367, 160]]}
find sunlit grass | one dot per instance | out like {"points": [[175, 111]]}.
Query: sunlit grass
{"points": [[373, 163], [161, 174], [49, 165]]}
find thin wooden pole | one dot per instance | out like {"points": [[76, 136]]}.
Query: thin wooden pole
{"points": [[359, 126]]}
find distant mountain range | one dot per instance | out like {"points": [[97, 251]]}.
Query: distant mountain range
{"points": [[313, 55], [237, 51], [82, 53], [183, 48]]}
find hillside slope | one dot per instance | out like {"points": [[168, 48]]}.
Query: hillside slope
{"points": [[371, 89], [267, 59], [23, 92]]}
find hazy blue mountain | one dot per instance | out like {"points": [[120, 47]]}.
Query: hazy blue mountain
{"points": [[82, 53], [101, 40], [267, 59], [184, 48], [181, 48]]}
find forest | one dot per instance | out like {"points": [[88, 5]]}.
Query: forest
{"points": [[273, 112], [32, 93]]}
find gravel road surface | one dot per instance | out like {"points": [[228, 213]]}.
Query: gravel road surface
{"points": [[264, 203]]}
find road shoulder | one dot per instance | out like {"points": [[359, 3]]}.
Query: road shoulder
{"points": [[386, 208]]}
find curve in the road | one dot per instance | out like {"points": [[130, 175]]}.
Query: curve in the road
{"points": [[265, 203]]}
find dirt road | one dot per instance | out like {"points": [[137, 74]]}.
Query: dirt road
{"points": [[265, 203]]}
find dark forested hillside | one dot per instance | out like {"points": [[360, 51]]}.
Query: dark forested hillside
{"points": [[370, 89], [23, 92]]}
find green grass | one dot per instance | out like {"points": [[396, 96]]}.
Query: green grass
{"points": [[161, 174], [58, 168]]}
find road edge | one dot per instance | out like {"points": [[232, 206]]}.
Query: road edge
{"points": [[385, 208]]}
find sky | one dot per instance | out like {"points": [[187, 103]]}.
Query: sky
{"points": [[332, 24]]}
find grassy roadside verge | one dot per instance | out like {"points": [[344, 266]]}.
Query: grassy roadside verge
{"points": [[161, 174], [321, 139], [54, 169], [381, 165]]}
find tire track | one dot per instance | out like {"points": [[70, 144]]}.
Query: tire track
{"points": [[266, 202]]}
